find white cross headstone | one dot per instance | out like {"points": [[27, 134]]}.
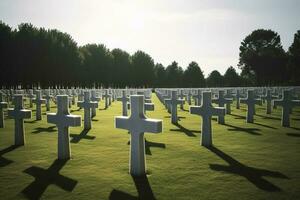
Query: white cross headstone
{"points": [[137, 124], [94, 98], [87, 105], [124, 99], [19, 114], [38, 102], [107, 98], [31, 96], [63, 120], [2, 106], [48, 98], [206, 111], [222, 101], [287, 104], [269, 98], [250, 101], [173, 102]]}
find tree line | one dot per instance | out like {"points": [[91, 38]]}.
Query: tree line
{"points": [[31, 56]]}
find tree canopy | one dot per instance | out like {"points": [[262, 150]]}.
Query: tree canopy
{"points": [[32, 56]]}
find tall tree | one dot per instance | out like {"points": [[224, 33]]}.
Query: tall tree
{"points": [[174, 75], [294, 60], [193, 76], [143, 69], [122, 69], [261, 53], [214, 79], [231, 78], [160, 75]]}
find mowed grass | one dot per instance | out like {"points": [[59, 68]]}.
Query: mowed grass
{"points": [[248, 161]]}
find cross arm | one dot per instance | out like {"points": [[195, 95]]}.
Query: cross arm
{"points": [[152, 125], [121, 122]]}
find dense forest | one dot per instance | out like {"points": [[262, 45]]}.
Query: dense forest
{"points": [[32, 56]]}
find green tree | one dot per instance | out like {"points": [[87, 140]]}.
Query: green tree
{"points": [[261, 53], [160, 75], [143, 69], [294, 60], [215, 79], [193, 76], [174, 75], [231, 78], [121, 67]]}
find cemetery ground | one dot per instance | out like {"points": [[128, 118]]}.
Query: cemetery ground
{"points": [[248, 161]]}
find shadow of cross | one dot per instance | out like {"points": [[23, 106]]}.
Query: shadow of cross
{"points": [[252, 131], [186, 131], [151, 144], [44, 178], [82, 135], [253, 175], [143, 188], [4, 161]]}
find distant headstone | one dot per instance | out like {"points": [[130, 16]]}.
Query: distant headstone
{"points": [[87, 105], [173, 102], [3, 105], [48, 98], [124, 99], [250, 101], [269, 98], [19, 114], [206, 111], [63, 120], [94, 98], [222, 101], [38, 102], [287, 104], [137, 124]]}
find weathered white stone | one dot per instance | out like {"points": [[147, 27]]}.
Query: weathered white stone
{"points": [[206, 111], [48, 98], [19, 114], [87, 105], [222, 101], [173, 102], [63, 121], [269, 98], [137, 124], [38, 102], [287, 104], [250, 101], [3, 105], [124, 99], [94, 98]]}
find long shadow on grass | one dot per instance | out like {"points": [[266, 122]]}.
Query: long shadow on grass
{"points": [[188, 132], [4, 161], [266, 126], [143, 188], [293, 134], [151, 144], [237, 116], [253, 175], [268, 117], [82, 135], [49, 129], [252, 131], [46, 177]]}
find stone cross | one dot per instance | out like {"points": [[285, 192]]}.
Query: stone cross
{"points": [[173, 105], [124, 99], [237, 98], [206, 111], [269, 98], [181, 96], [38, 102], [48, 98], [107, 98], [198, 97], [222, 101], [137, 124], [250, 101], [2, 106], [31, 97], [87, 104], [287, 104], [189, 97], [94, 98], [63, 120], [19, 114]]}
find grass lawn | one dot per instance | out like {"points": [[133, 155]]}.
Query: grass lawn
{"points": [[248, 161]]}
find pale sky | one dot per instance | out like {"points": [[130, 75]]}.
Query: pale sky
{"points": [[206, 31]]}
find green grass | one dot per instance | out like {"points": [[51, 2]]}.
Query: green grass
{"points": [[248, 161]]}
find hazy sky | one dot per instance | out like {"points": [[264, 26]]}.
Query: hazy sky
{"points": [[208, 32]]}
